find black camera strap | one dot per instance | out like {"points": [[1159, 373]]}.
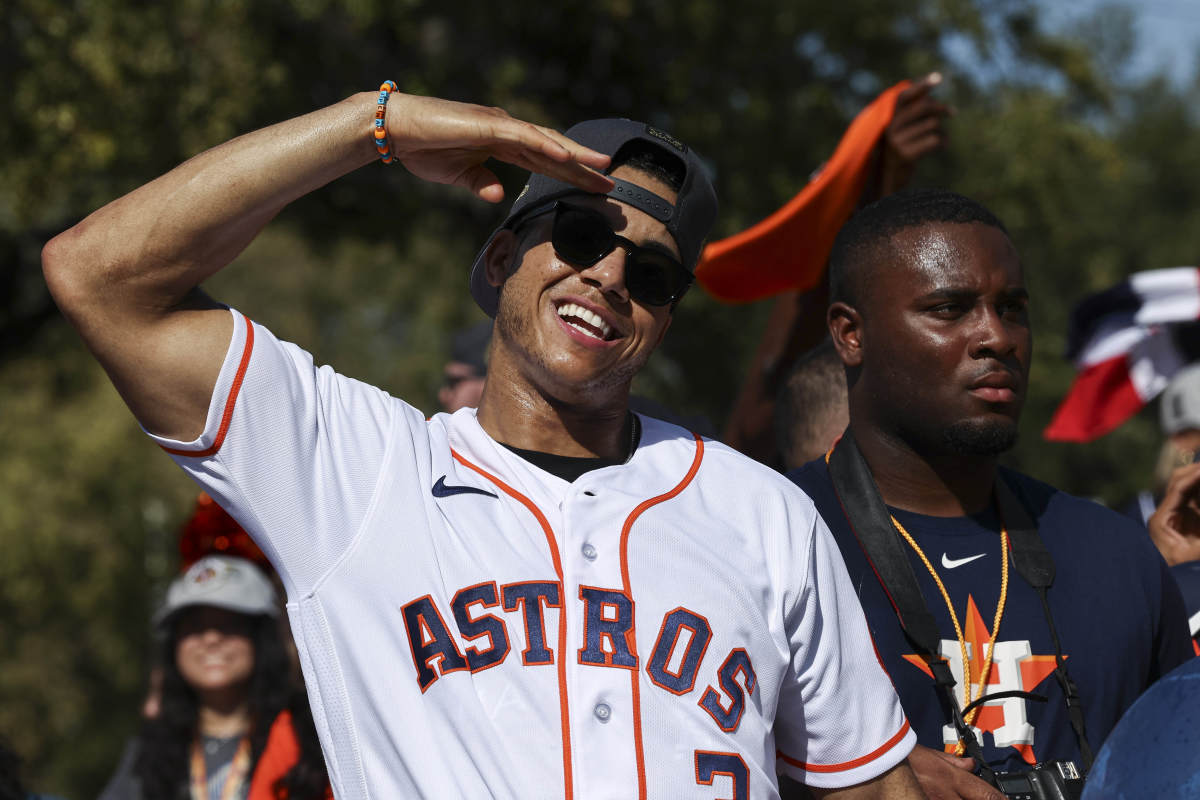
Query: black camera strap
{"points": [[872, 526], [886, 553], [1033, 562]]}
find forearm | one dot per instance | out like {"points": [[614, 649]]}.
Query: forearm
{"points": [[898, 783], [144, 252], [127, 275], [796, 324]]}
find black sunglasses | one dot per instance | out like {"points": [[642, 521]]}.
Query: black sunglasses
{"points": [[452, 381], [583, 236]]}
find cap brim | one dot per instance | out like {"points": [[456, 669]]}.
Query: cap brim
{"points": [[165, 614], [486, 296]]}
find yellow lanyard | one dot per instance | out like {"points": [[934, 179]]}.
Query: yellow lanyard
{"points": [[962, 640], [238, 770]]}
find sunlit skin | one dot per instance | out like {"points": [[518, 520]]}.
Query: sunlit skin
{"points": [[1187, 441], [461, 387], [940, 340], [831, 424], [551, 387], [214, 652]]}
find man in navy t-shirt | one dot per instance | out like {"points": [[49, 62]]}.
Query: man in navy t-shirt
{"points": [[928, 312]]}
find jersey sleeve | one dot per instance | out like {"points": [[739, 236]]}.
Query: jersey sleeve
{"points": [[839, 721], [293, 451]]}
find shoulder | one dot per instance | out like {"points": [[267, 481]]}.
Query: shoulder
{"points": [[814, 480], [718, 466], [1053, 507], [813, 475], [1083, 530]]}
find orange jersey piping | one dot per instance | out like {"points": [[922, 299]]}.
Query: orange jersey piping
{"points": [[227, 416], [637, 512], [846, 765], [564, 712]]}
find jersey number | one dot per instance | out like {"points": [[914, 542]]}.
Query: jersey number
{"points": [[709, 765]]}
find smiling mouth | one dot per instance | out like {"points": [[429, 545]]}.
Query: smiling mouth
{"points": [[586, 322]]}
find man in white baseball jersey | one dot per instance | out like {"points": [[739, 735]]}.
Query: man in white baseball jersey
{"points": [[549, 597]]}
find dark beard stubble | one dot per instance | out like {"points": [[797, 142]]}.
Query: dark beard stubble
{"points": [[968, 438]]}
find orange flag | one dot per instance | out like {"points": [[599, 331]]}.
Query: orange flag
{"points": [[788, 249]]}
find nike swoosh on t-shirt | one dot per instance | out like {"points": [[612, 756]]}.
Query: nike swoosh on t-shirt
{"points": [[951, 563], [440, 489]]}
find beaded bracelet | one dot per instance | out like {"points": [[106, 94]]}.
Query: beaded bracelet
{"points": [[381, 140]]}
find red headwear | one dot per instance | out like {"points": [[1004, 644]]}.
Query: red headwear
{"points": [[211, 530]]}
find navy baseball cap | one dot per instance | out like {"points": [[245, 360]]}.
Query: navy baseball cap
{"points": [[689, 220]]}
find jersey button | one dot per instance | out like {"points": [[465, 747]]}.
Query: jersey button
{"points": [[602, 712], [588, 551]]}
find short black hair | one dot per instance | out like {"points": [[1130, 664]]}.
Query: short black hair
{"points": [[813, 392], [642, 156], [470, 346], [654, 161], [863, 239]]}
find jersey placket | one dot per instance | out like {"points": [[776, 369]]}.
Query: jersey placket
{"points": [[599, 658]]}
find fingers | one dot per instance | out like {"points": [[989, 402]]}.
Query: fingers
{"points": [[483, 183], [927, 108], [1175, 525], [979, 790], [549, 152], [962, 785], [912, 150], [947, 777], [915, 105], [918, 88], [916, 130], [576, 151], [569, 171], [448, 142], [965, 763], [1183, 486]]}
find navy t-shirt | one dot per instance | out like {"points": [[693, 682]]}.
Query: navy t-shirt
{"points": [[1118, 613]]}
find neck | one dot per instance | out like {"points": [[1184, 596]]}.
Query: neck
{"points": [[517, 414], [223, 714], [940, 485]]}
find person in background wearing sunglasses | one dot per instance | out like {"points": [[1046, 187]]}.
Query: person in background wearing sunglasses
{"points": [[464, 374], [462, 589]]}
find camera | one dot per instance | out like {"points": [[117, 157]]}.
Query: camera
{"points": [[1050, 780]]}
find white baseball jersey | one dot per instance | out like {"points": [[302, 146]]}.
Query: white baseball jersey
{"points": [[678, 626]]}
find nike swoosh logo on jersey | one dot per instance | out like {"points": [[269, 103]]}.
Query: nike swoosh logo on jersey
{"points": [[440, 489], [951, 563]]}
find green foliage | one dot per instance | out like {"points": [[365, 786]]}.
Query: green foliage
{"points": [[1095, 177]]}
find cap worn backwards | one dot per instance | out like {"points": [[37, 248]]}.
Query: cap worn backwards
{"points": [[227, 582], [688, 220]]}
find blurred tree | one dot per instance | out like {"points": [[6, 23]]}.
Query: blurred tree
{"points": [[1094, 176]]}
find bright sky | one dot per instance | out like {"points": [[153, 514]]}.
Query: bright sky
{"points": [[1168, 31]]}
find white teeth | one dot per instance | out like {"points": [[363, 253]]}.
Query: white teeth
{"points": [[584, 315], [583, 330]]}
